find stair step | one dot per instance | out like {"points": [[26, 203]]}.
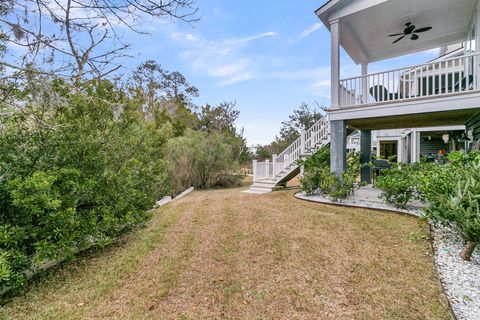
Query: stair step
{"points": [[260, 190]]}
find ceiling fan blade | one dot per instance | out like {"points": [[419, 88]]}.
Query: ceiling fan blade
{"points": [[396, 34], [409, 29], [422, 29], [398, 39], [414, 37]]}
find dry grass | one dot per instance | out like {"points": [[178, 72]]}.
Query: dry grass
{"points": [[224, 254]]}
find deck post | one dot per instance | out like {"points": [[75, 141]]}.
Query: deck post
{"points": [[254, 170], [274, 165], [365, 155], [302, 142], [338, 146], [364, 83], [267, 168], [335, 63]]}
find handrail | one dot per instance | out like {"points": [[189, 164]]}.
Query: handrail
{"points": [[410, 67], [309, 141], [433, 79]]}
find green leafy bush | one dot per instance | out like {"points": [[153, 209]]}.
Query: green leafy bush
{"points": [[450, 191], [460, 210], [200, 159], [319, 179], [397, 185], [77, 168]]}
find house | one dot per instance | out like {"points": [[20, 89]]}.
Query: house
{"points": [[442, 92], [439, 100]]}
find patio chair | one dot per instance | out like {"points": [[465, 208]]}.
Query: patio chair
{"points": [[380, 93], [380, 165]]}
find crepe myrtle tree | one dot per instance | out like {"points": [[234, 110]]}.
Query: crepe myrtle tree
{"points": [[82, 38]]}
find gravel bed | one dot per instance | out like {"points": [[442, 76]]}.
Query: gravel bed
{"points": [[460, 279]]}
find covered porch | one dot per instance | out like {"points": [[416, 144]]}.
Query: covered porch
{"points": [[441, 92]]}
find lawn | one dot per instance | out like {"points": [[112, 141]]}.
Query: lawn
{"points": [[225, 254]]}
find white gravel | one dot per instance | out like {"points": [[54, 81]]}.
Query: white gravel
{"points": [[460, 279]]}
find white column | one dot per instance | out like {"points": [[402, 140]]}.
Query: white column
{"points": [[274, 164], [302, 142], [364, 83], [254, 170], [335, 62], [267, 168], [476, 59], [415, 147]]}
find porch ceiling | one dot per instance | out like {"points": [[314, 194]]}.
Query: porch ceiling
{"points": [[446, 118], [366, 24]]}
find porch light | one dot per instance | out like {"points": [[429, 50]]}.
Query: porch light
{"points": [[445, 137]]}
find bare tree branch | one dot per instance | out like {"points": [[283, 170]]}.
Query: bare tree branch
{"points": [[82, 35]]}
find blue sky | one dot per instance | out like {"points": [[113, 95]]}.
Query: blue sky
{"points": [[269, 56]]}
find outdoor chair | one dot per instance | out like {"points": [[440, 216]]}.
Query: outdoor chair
{"points": [[380, 93], [380, 165]]}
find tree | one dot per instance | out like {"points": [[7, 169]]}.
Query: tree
{"points": [[302, 118], [165, 95], [5, 8], [199, 159], [83, 38], [221, 120]]}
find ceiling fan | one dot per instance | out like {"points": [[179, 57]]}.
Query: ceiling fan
{"points": [[410, 30]]}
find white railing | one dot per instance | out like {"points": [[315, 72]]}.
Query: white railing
{"points": [[308, 142], [438, 78]]}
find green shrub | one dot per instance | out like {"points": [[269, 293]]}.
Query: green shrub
{"points": [[200, 159], [397, 185], [460, 210], [450, 191], [76, 169], [319, 179]]}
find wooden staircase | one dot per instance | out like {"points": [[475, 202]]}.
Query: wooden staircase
{"points": [[283, 167]]}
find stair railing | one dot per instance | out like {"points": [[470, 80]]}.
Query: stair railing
{"points": [[309, 142]]}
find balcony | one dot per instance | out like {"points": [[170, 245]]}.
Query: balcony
{"points": [[442, 78]]}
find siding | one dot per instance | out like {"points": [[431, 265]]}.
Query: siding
{"points": [[474, 124], [432, 146]]}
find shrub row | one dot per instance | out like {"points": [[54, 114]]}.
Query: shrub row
{"points": [[451, 193], [76, 169]]}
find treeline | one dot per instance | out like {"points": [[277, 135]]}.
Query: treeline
{"points": [[80, 164]]}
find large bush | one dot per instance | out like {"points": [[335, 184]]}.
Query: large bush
{"points": [[319, 179], [398, 185], [202, 160], [460, 210], [77, 167]]}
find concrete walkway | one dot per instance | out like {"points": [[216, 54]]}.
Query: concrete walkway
{"points": [[365, 197]]}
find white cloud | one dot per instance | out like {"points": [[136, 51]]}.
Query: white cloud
{"points": [[305, 33], [251, 38], [225, 59], [191, 37], [320, 88]]}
